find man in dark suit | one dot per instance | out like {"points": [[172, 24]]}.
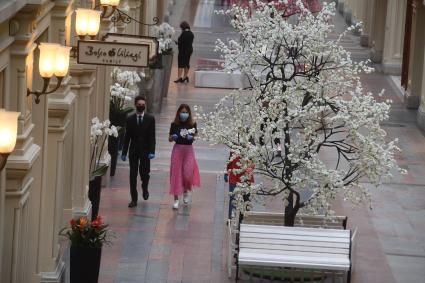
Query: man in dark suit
{"points": [[140, 137]]}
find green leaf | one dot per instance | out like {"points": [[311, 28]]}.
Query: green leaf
{"points": [[100, 171], [127, 110]]}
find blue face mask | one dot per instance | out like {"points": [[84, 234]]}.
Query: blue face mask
{"points": [[184, 116]]}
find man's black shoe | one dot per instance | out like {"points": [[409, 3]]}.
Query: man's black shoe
{"points": [[132, 204], [145, 195]]}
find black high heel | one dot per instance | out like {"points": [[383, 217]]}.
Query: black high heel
{"points": [[179, 80], [185, 80]]}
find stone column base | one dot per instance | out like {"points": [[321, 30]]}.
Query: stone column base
{"points": [[58, 276], [411, 101], [364, 40], [375, 55], [421, 118], [348, 15], [391, 68]]}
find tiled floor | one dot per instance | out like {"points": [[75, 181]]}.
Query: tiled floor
{"points": [[156, 244]]}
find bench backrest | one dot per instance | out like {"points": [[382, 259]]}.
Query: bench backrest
{"points": [[313, 221]]}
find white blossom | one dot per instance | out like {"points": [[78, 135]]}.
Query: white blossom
{"points": [[124, 88], [305, 104], [164, 33]]}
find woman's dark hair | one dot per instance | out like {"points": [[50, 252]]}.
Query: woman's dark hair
{"points": [[139, 97], [189, 121], [184, 25]]}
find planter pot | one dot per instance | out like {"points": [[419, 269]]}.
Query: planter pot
{"points": [[151, 86], [118, 119], [113, 147], [94, 195], [167, 63], [85, 264], [158, 82]]}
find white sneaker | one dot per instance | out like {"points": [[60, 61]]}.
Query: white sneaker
{"points": [[186, 198], [176, 204]]}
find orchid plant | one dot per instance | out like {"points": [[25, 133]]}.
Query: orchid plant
{"points": [[99, 133], [123, 89], [306, 122], [164, 33]]}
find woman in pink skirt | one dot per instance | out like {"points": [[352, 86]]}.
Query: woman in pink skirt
{"points": [[184, 172]]}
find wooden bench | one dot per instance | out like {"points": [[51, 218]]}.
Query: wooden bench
{"points": [[316, 251], [277, 219]]}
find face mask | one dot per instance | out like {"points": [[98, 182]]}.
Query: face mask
{"points": [[140, 109], [184, 116]]}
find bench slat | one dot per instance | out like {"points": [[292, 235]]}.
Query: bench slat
{"points": [[281, 254], [294, 230], [261, 259], [280, 248], [296, 243], [294, 237]]}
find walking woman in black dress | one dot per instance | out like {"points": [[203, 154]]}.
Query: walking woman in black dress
{"points": [[185, 42]]}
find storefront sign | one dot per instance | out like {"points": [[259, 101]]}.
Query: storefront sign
{"points": [[135, 39], [113, 53]]}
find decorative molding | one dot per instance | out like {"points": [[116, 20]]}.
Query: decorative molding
{"points": [[22, 193], [57, 276], [13, 27], [82, 211], [25, 161]]}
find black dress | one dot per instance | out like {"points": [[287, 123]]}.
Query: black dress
{"points": [[185, 42]]}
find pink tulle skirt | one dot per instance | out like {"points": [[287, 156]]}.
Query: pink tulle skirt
{"points": [[184, 172]]}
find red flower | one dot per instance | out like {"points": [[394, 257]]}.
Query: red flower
{"points": [[73, 223], [97, 223]]}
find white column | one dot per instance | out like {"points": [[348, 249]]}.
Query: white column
{"points": [[378, 30], [83, 84], [421, 34], [368, 14], [394, 35]]}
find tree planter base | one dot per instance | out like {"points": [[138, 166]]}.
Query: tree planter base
{"points": [[85, 264]]}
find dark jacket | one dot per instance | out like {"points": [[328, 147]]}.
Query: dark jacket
{"points": [[140, 139], [185, 42]]}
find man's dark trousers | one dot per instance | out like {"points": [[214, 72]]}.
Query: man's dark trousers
{"points": [[139, 165]]}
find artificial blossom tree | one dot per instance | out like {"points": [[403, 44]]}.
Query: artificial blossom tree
{"points": [[305, 121]]}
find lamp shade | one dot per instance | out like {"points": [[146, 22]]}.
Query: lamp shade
{"points": [[87, 22], [62, 61], [8, 130], [82, 21], [47, 62], [94, 23], [110, 2]]}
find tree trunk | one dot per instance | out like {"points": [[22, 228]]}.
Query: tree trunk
{"points": [[290, 213]]}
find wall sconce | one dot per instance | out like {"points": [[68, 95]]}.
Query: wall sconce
{"points": [[117, 14], [54, 60], [8, 132], [108, 3], [87, 23]]}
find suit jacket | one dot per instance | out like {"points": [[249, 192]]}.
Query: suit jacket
{"points": [[140, 138]]}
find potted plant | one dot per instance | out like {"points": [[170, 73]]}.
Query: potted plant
{"points": [[306, 122], [87, 239], [123, 89], [100, 131], [164, 33]]}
